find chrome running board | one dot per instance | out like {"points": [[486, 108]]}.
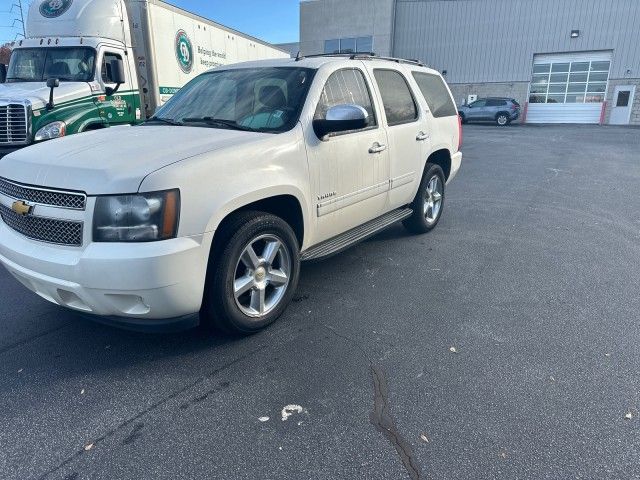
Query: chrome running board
{"points": [[356, 235]]}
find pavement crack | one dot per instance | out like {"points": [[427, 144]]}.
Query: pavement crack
{"points": [[383, 421], [381, 417], [136, 418]]}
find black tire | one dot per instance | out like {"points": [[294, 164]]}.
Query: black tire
{"points": [[462, 118], [418, 222], [220, 308], [503, 119]]}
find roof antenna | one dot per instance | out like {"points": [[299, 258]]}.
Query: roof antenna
{"points": [[298, 57]]}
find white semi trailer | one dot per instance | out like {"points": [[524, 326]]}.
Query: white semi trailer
{"points": [[89, 64]]}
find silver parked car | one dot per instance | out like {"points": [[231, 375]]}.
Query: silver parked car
{"points": [[503, 111]]}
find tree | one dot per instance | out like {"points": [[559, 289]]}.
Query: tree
{"points": [[5, 53]]}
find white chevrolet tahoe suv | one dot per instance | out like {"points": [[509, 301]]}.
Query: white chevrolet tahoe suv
{"points": [[204, 212]]}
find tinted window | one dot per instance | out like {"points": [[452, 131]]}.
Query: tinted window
{"points": [[623, 98], [106, 66], [479, 103], [399, 105], [346, 87], [332, 46], [365, 44], [347, 45], [437, 95], [496, 103]]}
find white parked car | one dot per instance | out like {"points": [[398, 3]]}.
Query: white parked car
{"points": [[206, 211]]}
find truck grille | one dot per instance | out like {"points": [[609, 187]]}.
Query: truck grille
{"points": [[51, 230], [13, 124], [54, 198]]}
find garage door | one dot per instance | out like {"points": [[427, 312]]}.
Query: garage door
{"points": [[568, 88]]}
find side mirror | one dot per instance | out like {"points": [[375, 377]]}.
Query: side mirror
{"points": [[52, 83], [115, 74], [341, 118], [3, 73]]}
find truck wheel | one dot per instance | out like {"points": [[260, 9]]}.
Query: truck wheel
{"points": [[502, 119], [254, 275], [429, 202]]}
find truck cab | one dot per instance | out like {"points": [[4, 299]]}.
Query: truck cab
{"points": [[74, 72]]}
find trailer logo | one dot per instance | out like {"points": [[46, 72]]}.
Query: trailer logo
{"points": [[54, 8], [184, 51]]}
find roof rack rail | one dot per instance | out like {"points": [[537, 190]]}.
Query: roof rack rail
{"points": [[360, 56]]}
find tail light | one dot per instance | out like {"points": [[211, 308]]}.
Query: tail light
{"points": [[459, 132]]}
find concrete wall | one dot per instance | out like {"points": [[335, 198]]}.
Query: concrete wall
{"points": [[322, 20]]}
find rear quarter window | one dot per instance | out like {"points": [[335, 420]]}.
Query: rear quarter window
{"points": [[436, 94]]}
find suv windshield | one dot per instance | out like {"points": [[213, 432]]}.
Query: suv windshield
{"points": [[253, 99], [63, 63]]}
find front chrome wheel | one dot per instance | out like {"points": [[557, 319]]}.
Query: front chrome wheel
{"points": [[433, 199], [262, 276]]}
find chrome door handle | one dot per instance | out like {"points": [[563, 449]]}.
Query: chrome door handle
{"points": [[421, 137], [377, 148]]}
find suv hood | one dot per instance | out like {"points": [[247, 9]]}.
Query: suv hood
{"points": [[117, 159], [38, 94]]}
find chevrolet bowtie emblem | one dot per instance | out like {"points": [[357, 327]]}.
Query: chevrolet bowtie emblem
{"points": [[21, 207]]}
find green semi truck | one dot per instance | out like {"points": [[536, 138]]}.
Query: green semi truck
{"points": [[90, 64]]}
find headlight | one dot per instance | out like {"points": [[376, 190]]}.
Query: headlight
{"points": [[52, 130], [145, 217]]}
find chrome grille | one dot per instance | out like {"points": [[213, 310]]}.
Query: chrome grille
{"points": [[13, 124], [51, 230], [54, 198]]}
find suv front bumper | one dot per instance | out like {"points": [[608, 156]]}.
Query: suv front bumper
{"points": [[128, 284]]}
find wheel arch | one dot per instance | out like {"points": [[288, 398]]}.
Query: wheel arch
{"points": [[500, 113], [441, 157], [92, 125], [287, 205]]}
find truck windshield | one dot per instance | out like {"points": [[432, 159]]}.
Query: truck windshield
{"points": [[63, 63], [250, 99]]}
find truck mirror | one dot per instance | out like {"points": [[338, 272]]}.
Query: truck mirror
{"points": [[115, 74], [117, 71], [3, 73], [52, 83]]}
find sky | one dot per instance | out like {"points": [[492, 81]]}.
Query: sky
{"points": [[276, 21]]}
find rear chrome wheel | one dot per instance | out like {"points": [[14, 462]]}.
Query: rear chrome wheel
{"points": [[262, 276], [502, 119], [434, 193], [429, 201]]}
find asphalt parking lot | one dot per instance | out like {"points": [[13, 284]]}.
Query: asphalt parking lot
{"points": [[532, 277]]}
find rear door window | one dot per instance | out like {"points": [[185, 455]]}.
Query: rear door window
{"points": [[399, 105], [436, 94], [496, 103]]}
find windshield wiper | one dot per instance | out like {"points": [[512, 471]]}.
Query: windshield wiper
{"points": [[23, 79], [219, 121], [168, 121]]}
